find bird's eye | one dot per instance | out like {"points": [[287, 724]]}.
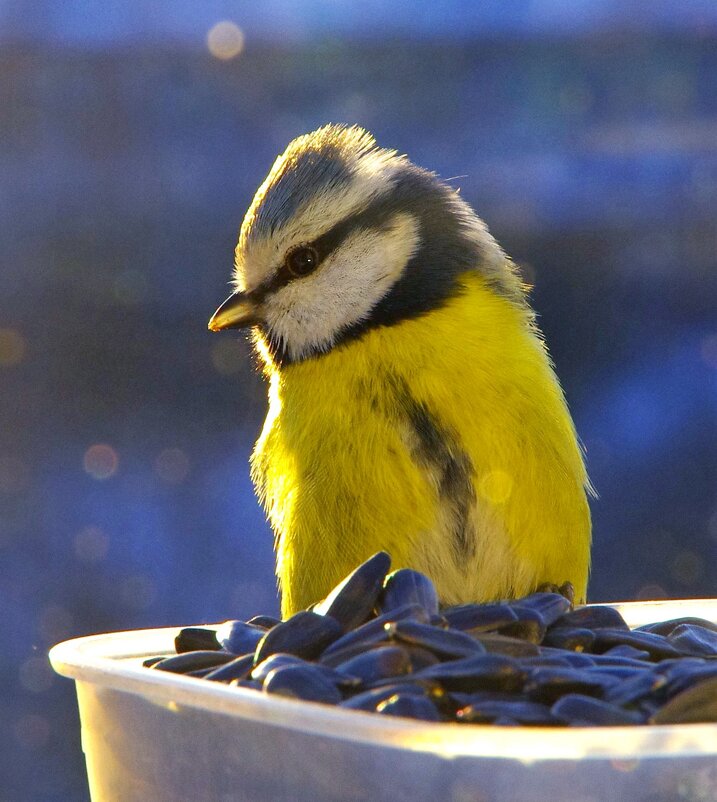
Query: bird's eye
{"points": [[302, 260]]}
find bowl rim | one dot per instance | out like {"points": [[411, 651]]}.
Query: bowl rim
{"points": [[113, 661]]}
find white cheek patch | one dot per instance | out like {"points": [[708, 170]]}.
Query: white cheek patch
{"points": [[308, 314]]}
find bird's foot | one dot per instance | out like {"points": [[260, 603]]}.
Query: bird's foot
{"points": [[566, 589]]}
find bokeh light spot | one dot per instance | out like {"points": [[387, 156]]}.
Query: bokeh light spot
{"points": [[172, 465], [36, 674], [55, 623], [91, 544], [687, 567], [496, 486], [225, 40], [651, 591], [228, 356], [14, 475], [12, 347], [708, 350], [138, 592], [101, 461], [32, 731]]}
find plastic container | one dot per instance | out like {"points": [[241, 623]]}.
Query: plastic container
{"points": [[159, 736]]}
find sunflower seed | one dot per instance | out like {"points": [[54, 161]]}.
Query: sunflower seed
{"points": [[304, 634], [579, 710], [632, 690], [193, 661], [264, 621], [531, 713], [481, 672], [374, 631], [480, 617], [695, 704], [302, 682], [594, 617], [657, 647], [409, 705], [667, 627], [239, 638], [444, 643], [529, 625], [236, 669], [551, 606], [381, 663], [548, 684], [368, 700], [407, 586], [352, 601], [575, 639], [192, 639], [502, 644], [694, 640]]}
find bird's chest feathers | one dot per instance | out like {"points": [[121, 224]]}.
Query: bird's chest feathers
{"points": [[368, 460], [360, 446], [389, 434], [438, 440]]}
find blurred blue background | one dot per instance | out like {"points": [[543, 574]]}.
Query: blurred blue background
{"points": [[132, 138]]}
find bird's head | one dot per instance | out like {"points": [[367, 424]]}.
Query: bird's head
{"points": [[344, 235]]}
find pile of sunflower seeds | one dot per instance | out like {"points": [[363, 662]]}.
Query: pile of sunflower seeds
{"points": [[379, 642]]}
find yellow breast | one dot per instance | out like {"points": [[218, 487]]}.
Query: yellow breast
{"points": [[444, 440]]}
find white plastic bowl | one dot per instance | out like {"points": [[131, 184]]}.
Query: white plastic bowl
{"points": [[161, 736]]}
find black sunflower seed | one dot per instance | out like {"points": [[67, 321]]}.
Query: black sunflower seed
{"points": [[409, 705], [302, 682], [304, 634], [444, 643], [193, 661], [352, 601], [406, 586], [579, 710], [192, 639]]}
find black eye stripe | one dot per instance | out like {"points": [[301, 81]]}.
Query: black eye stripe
{"points": [[374, 216]]}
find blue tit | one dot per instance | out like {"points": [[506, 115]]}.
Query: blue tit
{"points": [[413, 407]]}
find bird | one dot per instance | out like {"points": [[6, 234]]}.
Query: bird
{"points": [[412, 403]]}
